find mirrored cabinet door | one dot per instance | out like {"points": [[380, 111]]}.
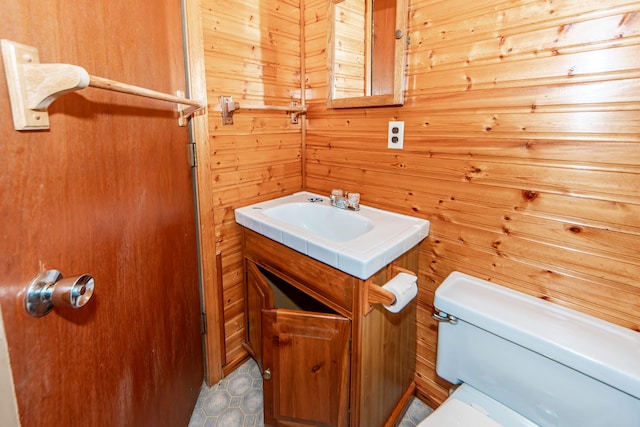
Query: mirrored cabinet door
{"points": [[366, 56]]}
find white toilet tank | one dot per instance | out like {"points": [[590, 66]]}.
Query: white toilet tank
{"points": [[553, 365]]}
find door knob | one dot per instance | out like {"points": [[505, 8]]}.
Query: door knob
{"points": [[49, 289], [266, 374]]}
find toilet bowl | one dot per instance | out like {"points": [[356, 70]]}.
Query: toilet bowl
{"points": [[467, 407], [518, 361]]}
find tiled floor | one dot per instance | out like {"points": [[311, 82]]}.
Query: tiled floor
{"points": [[236, 401]]}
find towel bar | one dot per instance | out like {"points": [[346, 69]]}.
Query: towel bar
{"points": [[34, 86], [227, 107]]}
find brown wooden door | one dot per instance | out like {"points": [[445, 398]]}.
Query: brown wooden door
{"points": [[259, 297], [308, 357], [106, 191]]}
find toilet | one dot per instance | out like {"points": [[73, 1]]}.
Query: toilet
{"points": [[517, 360]]}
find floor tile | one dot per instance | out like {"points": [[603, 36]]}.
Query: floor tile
{"points": [[236, 401]]}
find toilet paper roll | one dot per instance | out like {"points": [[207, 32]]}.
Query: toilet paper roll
{"points": [[403, 286]]}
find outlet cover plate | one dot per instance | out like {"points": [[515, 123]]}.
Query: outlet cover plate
{"points": [[395, 135]]}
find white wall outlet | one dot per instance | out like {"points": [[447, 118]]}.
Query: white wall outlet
{"points": [[395, 135]]}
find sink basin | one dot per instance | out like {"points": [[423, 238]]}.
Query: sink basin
{"points": [[358, 243], [325, 221]]}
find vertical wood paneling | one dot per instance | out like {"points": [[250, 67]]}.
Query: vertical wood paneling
{"points": [[252, 53], [522, 148]]}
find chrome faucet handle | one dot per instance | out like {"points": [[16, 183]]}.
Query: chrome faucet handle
{"points": [[353, 201], [345, 200]]}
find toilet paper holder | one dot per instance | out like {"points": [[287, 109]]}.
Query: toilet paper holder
{"points": [[376, 294]]}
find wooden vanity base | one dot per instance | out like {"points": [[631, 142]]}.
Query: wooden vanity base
{"points": [[349, 363]]}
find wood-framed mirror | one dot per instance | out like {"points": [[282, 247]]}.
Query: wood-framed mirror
{"points": [[366, 55]]}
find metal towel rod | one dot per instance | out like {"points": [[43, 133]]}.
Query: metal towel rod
{"points": [[34, 86]]}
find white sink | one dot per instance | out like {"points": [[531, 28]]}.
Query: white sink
{"points": [[358, 243], [324, 221]]}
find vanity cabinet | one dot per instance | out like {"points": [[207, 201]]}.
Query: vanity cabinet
{"points": [[327, 356]]}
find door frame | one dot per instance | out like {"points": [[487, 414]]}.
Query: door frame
{"points": [[210, 259]]}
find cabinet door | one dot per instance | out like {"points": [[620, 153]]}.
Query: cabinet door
{"points": [[259, 296], [307, 355]]}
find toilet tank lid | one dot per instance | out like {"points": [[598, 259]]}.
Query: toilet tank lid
{"points": [[607, 352]]}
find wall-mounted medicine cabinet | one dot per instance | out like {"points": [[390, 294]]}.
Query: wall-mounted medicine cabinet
{"points": [[366, 56]]}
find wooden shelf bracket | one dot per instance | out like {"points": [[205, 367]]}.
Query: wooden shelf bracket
{"points": [[228, 107], [34, 86]]}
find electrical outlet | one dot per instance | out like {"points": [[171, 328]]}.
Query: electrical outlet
{"points": [[395, 135]]}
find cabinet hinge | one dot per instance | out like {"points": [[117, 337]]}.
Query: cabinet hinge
{"points": [[193, 156], [203, 323], [349, 346]]}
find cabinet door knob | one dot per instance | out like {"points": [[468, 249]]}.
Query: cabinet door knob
{"points": [[266, 374]]}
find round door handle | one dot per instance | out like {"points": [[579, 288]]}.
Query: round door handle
{"points": [[49, 289], [266, 374]]}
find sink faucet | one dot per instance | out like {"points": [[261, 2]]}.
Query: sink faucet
{"points": [[345, 200]]}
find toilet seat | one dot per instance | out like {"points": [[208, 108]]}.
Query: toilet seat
{"points": [[454, 412], [469, 407]]}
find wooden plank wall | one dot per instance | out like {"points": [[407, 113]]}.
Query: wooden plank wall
{"points": [[522, 147], [252, 53]]}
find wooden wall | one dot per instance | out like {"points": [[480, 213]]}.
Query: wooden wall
{"points": [[522, 145], [252, 53]]}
